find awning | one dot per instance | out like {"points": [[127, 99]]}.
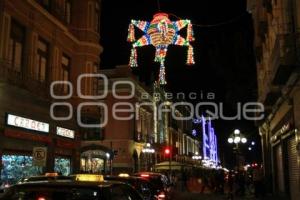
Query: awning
{"points": [[166, 165]]}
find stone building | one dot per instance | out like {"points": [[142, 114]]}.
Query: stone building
{"points": [[41, 42], [140, 124], [277, 43]]}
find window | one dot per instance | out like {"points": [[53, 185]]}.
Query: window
{"points": [[92, 133], [95, 80], [66, 64], [44, 3], [16, 167], [16, 45], [68, 12], [62, 166], [97, 17], [42, 60], [124, 192]]}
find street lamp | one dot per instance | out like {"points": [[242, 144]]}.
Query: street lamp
{"points": [[148, 150], [237, 138], [196, 156]]}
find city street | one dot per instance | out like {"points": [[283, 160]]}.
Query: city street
{"points": [[124, 100]]}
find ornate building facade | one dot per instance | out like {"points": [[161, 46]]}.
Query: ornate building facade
{"points": [[42, 42], [277, 42], [141, 123]]}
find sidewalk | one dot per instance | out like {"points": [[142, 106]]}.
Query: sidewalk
{"points": [[193, 191], [196, 196]]}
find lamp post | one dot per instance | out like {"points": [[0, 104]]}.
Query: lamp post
{"points": [[236, 137], [148, 150]]}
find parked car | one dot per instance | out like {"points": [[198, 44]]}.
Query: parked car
{"points": [[142, 185], [159, 181], [79, 187], [47, 176]]}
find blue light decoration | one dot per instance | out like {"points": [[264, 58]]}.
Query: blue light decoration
{"points": [[194, 132], [210, 145]]}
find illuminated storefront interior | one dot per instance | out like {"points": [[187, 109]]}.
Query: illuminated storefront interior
{"points": [[16, 167]]}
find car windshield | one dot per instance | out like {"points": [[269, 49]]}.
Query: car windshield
{"points": [[52, 192]]}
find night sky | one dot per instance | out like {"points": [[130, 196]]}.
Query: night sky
{"points": [[224, 55]]}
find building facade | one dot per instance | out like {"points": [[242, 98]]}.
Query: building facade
{"points": [[277, 42], [138, 123], [42, 42]]}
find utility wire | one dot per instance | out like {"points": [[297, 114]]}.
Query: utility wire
{"points": [[158, 5], [215, 25]]}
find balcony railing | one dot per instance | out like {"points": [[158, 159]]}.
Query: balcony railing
{"points": [[22, 80], [283, 59], [55, 8]]}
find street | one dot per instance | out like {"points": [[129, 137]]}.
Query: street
{"points": [[201, 96], [199, 196]]}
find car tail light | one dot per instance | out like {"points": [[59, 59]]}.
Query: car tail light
{"points": [[41, 198], [161, 196], [144, 175]]}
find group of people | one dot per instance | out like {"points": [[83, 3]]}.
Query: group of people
{"points": [[231, 183]]}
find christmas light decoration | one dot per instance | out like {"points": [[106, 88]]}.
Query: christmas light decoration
{"points": [[161, 32], [210, 144]]}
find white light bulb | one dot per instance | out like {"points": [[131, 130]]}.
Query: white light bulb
{"points": [[244, 140], [237, 140], [237, 131]]}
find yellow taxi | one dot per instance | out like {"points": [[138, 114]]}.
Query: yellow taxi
{"points": [[76, 187]]}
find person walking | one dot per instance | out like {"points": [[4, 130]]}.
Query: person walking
{"points": [[258, 182], [230, 183]]}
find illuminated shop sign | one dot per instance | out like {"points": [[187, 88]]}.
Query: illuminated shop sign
{"points": [[26, 123], [65, 132]]}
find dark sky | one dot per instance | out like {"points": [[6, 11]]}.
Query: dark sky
{"points": [[224, 56]]}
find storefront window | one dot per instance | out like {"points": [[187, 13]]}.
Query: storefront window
{"points": [[92, 165], [62, 166], [16, 167]]}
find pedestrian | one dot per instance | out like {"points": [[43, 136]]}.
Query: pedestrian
{"points": [[204, 183], [220, 182], [230, 182], [241, 183], [183, 180], [258, 182]]}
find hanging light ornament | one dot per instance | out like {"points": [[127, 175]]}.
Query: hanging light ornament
{"points": [[161, 32]]}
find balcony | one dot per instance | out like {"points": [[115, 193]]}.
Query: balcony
{"points": [[55, 8], [22, 80], [272, 96], [283, 59]]}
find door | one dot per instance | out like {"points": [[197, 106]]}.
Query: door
{"points": [[293, 169], [279, 170]]}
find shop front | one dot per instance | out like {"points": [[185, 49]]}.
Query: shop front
{"points": [[95, 159], [285, 158], [17, 166], [22, 135]]}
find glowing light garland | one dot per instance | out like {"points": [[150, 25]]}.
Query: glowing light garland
{"points": [[210, 144], [161, 32]]}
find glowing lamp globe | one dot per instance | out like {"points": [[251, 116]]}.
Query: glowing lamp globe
{"points": [[230, 140]]}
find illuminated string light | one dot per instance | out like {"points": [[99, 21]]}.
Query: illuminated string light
{"points": [[160, 33]]}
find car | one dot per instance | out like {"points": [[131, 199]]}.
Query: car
{"points": [[78, 187], [143, 186], [159, 181], [47, 176]]}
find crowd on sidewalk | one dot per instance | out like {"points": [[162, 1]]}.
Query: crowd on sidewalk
{"points": [[232, 184]]}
